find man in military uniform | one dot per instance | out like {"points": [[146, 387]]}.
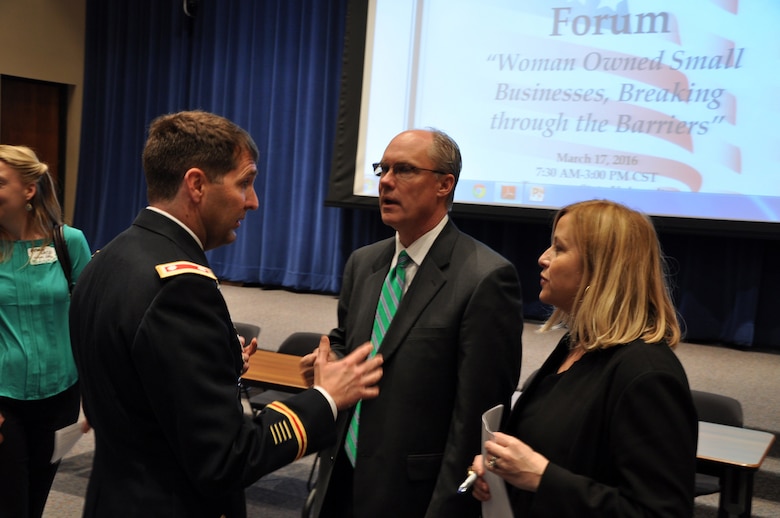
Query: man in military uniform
{"points": [[158, 356]]}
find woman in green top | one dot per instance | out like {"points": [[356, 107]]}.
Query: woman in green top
{"points": [[38, 389]]}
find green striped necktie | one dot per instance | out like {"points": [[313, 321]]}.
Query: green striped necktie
{"points": [[392, 290]]}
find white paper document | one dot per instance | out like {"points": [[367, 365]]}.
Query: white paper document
{"points": [[65, 439], [498, 505]]}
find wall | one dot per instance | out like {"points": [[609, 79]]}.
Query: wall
{"points": [[44, 40]]}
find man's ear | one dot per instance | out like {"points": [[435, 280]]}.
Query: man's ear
{"points": [[195, 182], [446, 185]]}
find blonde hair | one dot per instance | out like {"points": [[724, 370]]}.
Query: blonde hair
{"points": [[46, 210], [623, 295]]}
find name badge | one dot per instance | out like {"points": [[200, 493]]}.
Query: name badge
{"points": [[42, 255]]}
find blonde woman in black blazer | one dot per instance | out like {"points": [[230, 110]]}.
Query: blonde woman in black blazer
{"points": [[607, 426]]}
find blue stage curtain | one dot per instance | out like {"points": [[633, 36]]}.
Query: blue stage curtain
{"points": [[136, 67], [273, 67]]}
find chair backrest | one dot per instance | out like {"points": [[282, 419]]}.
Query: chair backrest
{"points": [[248, 331], [717, 408], [300, 343]]}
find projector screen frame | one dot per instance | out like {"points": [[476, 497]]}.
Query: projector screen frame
{"points": [[340, 192]]}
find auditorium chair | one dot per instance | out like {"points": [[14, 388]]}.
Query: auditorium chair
{"points": [[248, 331], [718, 409]]}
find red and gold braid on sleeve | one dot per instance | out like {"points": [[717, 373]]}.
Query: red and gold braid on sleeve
{"points": [[281, 432]]}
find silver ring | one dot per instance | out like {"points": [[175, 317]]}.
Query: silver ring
{"points": [[491, 463]]}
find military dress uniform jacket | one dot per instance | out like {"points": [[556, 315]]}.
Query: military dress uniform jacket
{"points": [[452, 351], [159, 362]]}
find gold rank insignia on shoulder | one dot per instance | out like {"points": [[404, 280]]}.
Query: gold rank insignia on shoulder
{"points": [[179, 267]]}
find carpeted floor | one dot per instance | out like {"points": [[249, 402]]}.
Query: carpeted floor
{"points": [[749, 376], [278, 495]]}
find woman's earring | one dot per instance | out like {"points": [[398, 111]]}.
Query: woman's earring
{"points": [[28, 207]]}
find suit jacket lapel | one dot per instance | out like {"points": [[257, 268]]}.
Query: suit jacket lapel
{"points": [[373, 285], [430, 278]]}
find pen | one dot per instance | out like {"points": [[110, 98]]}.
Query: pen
{"points": [[468, 482]]}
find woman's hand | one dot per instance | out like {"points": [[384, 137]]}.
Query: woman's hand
{"points": [[514, 461], [480, 489]]}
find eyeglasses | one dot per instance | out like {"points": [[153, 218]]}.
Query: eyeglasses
{"points": [[401, 170]]}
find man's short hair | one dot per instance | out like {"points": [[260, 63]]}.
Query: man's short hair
{"points": [[181, 141], [445, 153]]}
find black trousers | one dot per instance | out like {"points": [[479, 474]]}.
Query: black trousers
{"points": [[26, 473]]}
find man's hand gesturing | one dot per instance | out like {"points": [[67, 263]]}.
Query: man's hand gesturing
{"points": [[350, 379]]}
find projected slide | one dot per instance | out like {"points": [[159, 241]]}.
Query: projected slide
{"points": [[669, 106]]}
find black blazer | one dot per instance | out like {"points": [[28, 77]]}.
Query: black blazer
{"points": [[452, 351], [159, 362], [620, 430]]}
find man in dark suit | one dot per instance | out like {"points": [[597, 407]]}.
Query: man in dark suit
{"points": [[452, 349], [158, 356]]}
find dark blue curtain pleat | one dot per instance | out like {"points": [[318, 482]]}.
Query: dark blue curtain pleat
{"points": [[273, 67], [136, 67], [767, 323], [718, 285]]}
